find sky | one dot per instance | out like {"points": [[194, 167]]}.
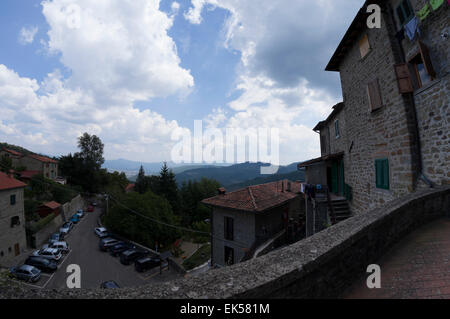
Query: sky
{"points": [[138, 73]]}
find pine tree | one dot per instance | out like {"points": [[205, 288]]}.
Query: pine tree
{"points": [[140, 185], [168, 187]]}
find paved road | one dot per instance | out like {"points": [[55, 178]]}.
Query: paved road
{"points": [[96, 266]]}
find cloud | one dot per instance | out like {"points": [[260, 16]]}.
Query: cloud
{"points": [[27, 34], [281, 79], [117, 52], [175, 7], [118, 49]]}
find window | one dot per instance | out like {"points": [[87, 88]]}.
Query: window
{"points": [[373, 91], [382, 173], [15, 221], [403, 78], [422, 66], [323, 146], [229, 231], [229, 256], [364, 46], [336, 128], [12, 199], [404, 12]]}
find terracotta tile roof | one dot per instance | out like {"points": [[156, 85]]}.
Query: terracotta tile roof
{"points": [[320, 159], [52, 205], [257, 198], [8, 182], [129, 187], [12, 152], [28, 174], [43, 159]]}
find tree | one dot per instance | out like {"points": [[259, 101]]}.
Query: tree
{"points": [[140, 229], [168, 187], [141, 182], [91, 150], [5, 163]]}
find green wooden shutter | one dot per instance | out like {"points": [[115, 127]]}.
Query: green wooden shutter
{"points": [[385, 174]]}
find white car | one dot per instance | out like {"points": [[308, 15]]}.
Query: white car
{"points": [[101, 232], [62, 246], [80, 213], [66, 228], [49, 253]]}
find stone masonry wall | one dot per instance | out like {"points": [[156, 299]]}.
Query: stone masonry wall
{"points": [[10, 236], [433, 100], [321, 266], [383, 133]]}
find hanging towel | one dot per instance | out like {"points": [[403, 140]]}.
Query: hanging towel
{"points": [[412, 28], [435, 4], [424, 12]]}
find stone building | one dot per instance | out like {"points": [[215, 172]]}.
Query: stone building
{"points": [[395, 118], [243, 220], [47, 166], [12, 220], [13, 155]]}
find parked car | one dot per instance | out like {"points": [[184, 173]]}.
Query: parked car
{"points": [[109, 285], [75, 219], [131, 255], [146, 263], [105, 243], [62, 246], [90, 209], [49, 253], [56, 237], [26, 272], [43, 264], [117, 249], [94, 204], [80, 213], [66, 228], [101, 232]]}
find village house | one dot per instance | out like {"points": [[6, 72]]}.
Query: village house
{"points": [[389, 136], [13, 155], [12, 219], [47, 166], [244, 220]]}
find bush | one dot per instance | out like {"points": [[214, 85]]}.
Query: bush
{"points": [[41, 223]]}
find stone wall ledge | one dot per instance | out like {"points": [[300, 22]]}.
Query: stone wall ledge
{"points": [[321, 266]]}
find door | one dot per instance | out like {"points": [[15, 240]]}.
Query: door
{"points": [[17, 249], [334, 177]]}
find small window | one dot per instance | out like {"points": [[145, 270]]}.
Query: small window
{"points": [[323, 145], [15, 221], [382, 173], [422, 66], [12, 199], [336, 129], [364, 46], [229, 228], [404, 12]]}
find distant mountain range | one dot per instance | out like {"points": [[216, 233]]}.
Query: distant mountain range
{"points": [[240, 175], [131, 168]]}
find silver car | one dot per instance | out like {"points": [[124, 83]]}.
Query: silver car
{"points": [[62, 246], [26, 272], [49, 253], [66, 228]]}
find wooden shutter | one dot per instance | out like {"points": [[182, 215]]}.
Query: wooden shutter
{"points": [[426, 59], [373, 89], [378, 173], [403, 78], [364, 45]]}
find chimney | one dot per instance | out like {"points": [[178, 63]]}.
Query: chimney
{"points": [[282, 186], [221, 191], [11, 173], [289, 189]]}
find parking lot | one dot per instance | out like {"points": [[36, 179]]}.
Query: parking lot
{"points": [[96, 266]]}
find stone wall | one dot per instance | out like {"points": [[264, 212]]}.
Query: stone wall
{"points": [[320, 266], [66, 212], [10, 237], [432, 101]]}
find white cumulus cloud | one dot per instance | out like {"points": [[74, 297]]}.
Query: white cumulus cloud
{"points": [[27, 34]]}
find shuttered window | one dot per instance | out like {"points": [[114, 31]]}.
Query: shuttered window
{"points": [[403, 78], [364, 46], [382, 173], [373, 90], [336, 129], [404, 12], [229, 228], [422, 65]]}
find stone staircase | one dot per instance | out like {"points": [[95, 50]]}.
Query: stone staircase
{"points": [[341, 210]]}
